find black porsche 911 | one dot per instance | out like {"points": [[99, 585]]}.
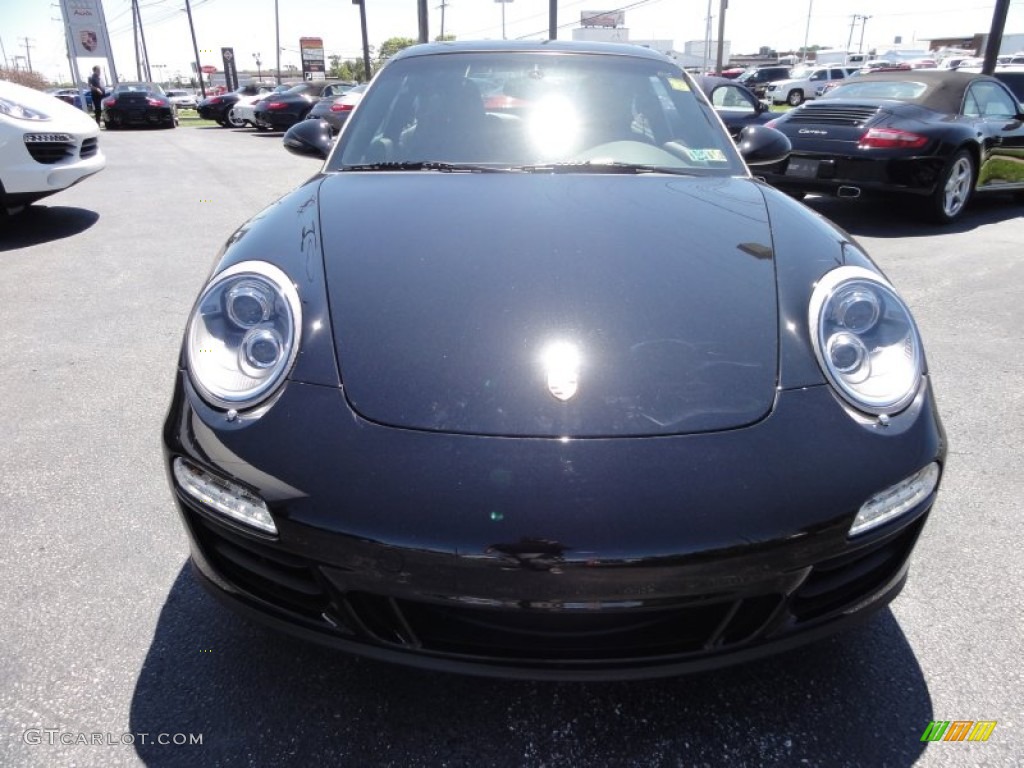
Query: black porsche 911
{"points": [[549, 385], [940, 136], [138, 105], [282, 110]]}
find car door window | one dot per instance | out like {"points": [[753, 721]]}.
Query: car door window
{"points": [[732, 98], [988, 100], [821, 74]]}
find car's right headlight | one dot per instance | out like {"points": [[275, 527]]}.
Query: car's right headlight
{"points": [[865, 340], [243, 335], [12, 108]]}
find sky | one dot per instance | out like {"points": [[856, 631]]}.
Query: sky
{"points": [[248, 26]]}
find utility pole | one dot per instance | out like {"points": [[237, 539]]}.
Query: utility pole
{"points": [[995, 35], [853, 23], [863, 23], [441, 7], [424, 21], [707, 41], [552, 19], [807, 31], [277, 41], [195, 48], [28, 52], [366, 41], [4, 50], [719, 63], [145, 50]]}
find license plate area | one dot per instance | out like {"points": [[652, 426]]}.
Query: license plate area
{"points": [[802, 167]]}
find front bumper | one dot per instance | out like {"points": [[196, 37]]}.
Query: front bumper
{"points": [[26, 178], [609, 559]]}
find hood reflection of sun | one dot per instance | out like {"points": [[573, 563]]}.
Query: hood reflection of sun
{"points": [[561, 361]]}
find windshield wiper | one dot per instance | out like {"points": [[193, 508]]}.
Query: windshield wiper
{"points": [[424, 165], [602, 166]]}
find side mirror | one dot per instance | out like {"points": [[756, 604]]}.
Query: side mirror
{"points": [[760, 145], [311, 138]]}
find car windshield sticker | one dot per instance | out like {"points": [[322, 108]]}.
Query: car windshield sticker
{"points": [[678, 84], [706, 155]]}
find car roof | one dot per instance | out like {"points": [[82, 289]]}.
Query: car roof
{"points": [[944, 89], [529, 46]]}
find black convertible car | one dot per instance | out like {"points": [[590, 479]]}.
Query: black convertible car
{"points": [[282, 110], [138, 105], [941, 136], [549, 385]]}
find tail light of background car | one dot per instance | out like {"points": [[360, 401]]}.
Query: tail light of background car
{"points": [[155, 103], [342, 107], [109, 102], [277, 105], [889, 138]]}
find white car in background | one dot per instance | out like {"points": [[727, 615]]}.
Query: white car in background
{"points": [[803, 82], [244, 111], [182, 99], [46, 145]]}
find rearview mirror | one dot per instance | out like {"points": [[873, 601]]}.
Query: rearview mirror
{"points": [[311, 138], [760, 145]]}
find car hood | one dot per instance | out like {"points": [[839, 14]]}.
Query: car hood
{"points": [[551, 305]]}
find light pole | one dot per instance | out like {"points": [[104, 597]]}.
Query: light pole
{"points": [[259, 72]]}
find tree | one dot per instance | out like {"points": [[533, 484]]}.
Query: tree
{"points": [[391, 46], [447, 38], [24, 77]]}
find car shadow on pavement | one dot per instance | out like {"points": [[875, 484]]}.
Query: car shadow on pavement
{"points": [[261, 698], [892, 217], [39, 224]]}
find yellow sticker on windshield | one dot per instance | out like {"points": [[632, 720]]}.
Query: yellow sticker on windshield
{"points": [[678, 84], [706, 155]]}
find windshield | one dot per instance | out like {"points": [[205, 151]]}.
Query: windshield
{"points": [[520, 109]]}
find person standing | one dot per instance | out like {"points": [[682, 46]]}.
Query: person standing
{"points": [[96, 89]]}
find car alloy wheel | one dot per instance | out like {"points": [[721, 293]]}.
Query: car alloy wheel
{"points": [[234, 120], [795, 98], [954, 188]]}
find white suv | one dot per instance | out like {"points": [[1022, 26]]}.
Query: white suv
{"points": [[46, 145], [803, 82]]}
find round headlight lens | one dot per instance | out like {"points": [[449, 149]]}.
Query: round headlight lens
{"points": [[865, 340], [243, 335], [248, 303]]}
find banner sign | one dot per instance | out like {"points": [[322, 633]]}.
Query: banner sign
{"points": [[602, 18], [230, 70], [312, 52]]}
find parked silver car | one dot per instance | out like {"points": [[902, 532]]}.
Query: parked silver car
{"points": [[336, 111]]}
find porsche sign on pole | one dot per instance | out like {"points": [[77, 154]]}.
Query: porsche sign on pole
{"points": [[86, 30], [312, 51]]}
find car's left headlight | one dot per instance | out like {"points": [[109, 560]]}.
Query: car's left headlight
{"points": [[243, 335], [12, 108], [865, 340]]}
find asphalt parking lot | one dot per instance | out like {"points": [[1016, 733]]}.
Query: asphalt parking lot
{"points": [[105, 632]]}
